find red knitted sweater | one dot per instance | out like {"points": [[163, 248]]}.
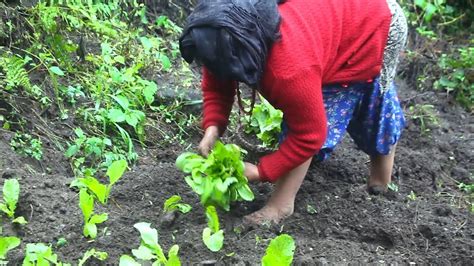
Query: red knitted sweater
{"points": [[322, 42]]}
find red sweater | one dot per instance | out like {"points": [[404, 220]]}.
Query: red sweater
{"points": [[322, 42]]}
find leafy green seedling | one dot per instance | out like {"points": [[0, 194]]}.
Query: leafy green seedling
{"points": [[100, 255], [280, 251], [149, 249], [310, 209], [174, 204], [61, 242], [11, 193], [393, 187], [212, 236], [99, 190], [40, 254], [265, 122], [218, 179], [412, 196], [86, 203], [8, 243]]}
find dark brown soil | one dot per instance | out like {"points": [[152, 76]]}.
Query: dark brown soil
{"points": [[349, 227]]}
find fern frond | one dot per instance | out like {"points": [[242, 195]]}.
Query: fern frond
{"points": [[14, 71]]}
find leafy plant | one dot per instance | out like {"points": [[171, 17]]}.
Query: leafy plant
{"points": [[280, 251], [16, 75], [86, 203], [218, 179], [8, 243], [265, 121], [425, 114], [150, 250], [174, 204], [11, 194], [99, 190], [100, 255], [26, 145], [393, 187], [40, 254], [212, 235], [412, 196]]}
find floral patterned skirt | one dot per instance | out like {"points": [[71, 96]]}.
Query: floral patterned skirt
{"points": [[373, 118]]}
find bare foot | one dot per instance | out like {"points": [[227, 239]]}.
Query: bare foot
{"points": [[268, 214]]}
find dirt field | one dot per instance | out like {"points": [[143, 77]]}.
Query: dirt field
{"points": [[349, 227]]}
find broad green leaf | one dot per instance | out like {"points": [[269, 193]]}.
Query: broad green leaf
{"points": [[171, 201], [56, 70], [149, 237], [90, 230], [149, 92], [245, 192], [99, 190], [86, 203], [98, 219], [116, 115], [116, 170], [20, 220], [4, 208], [8, 243], [143, 253], [126, 260], [165, 61], [213, 241], [71, 151], [122, 101], [11, 193], [93, 253], [174, 203], [173, 258], [212, 218], [280, 251], [131, 119]]}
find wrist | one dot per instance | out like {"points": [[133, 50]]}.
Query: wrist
{"points": [[212, 131]]}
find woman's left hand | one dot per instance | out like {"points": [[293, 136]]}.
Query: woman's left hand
{"points": [[251, 172]]}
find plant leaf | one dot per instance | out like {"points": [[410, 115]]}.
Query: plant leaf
{"points": [[8, 243], [11, 193], [143, 253], [98, 218], [20, 220], [280, 251], [93, 253], [116, 170], [116, 115], [86, 203], [56, 70], [213, 241], [173, 259], [126, 260], [99, 190], [90, 230]]}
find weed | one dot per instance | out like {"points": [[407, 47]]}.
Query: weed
{"points": [[24, 144], [425, 114]]}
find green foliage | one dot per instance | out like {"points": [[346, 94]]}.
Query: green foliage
{"points": [[393, 187], [280, 251], [174, 204], [150, 250], [212, 235], [86, 203], [40, 254], [265, 121], [16, 75], [425, 114], [8, 243], [11, 194], [218, 179], [100, 255], [412, 196], [26, 145], [458, 75]]}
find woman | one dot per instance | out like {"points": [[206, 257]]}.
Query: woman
{"points": [[328, 65]]}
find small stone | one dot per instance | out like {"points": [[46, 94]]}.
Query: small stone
{"points": [[51, 218]]}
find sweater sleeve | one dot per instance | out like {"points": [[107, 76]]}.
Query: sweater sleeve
{"points": [[218, 97], [300, 99]]}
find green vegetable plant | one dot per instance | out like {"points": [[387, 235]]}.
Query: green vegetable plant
{"points": [[7, 243], [212, 235], [41, 254], [86, 203], [99, 190], [11, 193], [265, 122], [280, 251], [100, 255], [26, 145], [174, 204], [218, 179], [150, 250]]}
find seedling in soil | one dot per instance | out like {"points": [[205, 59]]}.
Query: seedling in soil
{"points": [[310, 209], [40, 254], [26, 145], [174, 204], [218, 179], [393, 187], [212, 236], [412, 196], [99, 190], [7, 243], [100, 255], [150, 250], [280, 251], [86, 203], [11, 193]]}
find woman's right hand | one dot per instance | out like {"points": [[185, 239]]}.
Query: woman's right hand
{"points": [[207, 143]]}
